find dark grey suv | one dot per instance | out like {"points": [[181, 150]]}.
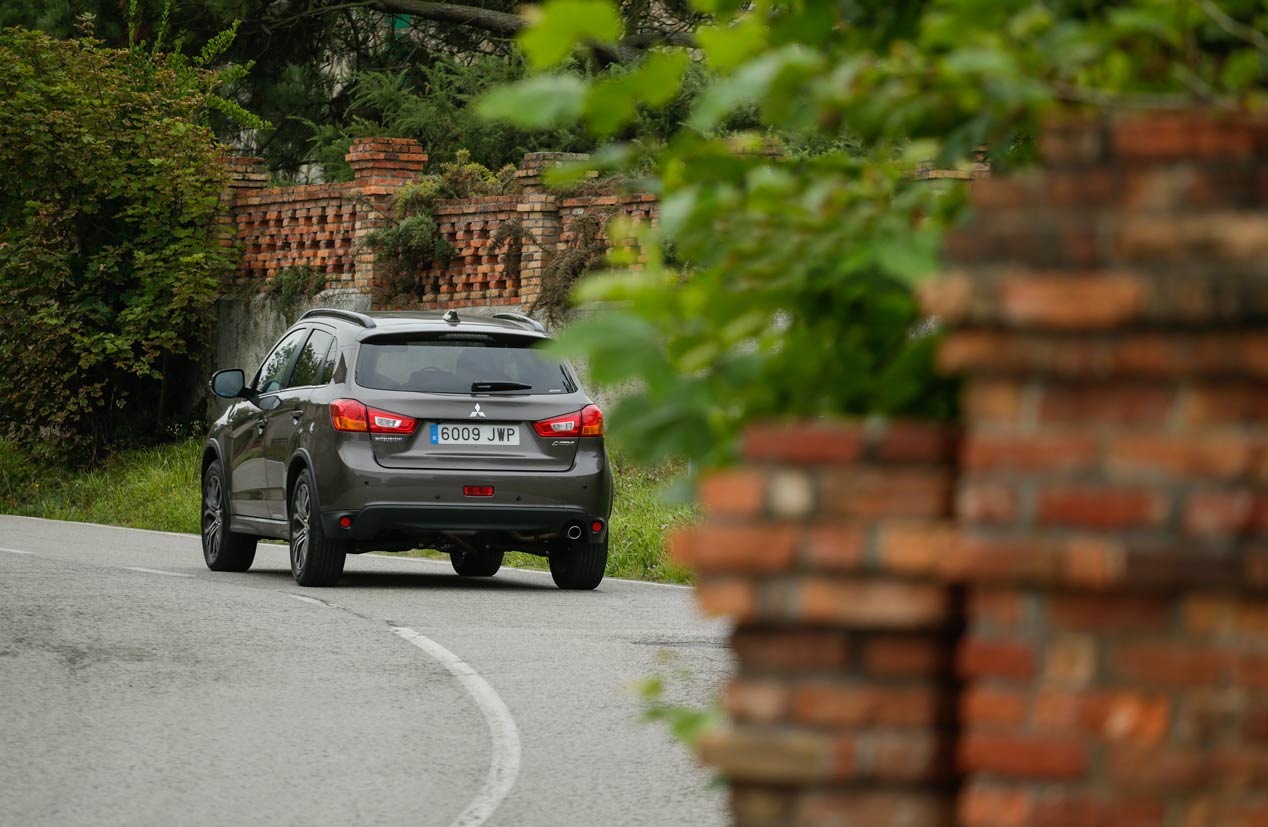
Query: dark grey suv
{"points": [[391, 431]]}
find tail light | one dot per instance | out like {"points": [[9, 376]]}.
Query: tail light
{"points": [[591, 421], [477, 490], [348, 415], [586, 422], [351, 415]]}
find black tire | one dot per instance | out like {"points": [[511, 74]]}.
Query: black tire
{"points": [[476, 563], [578, 564], [223, 550], [315, 559]]}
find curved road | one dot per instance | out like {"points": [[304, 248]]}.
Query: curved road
{"points": [[137, 687]]}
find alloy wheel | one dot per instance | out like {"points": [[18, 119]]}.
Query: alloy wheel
{"points": [[300, 527]]}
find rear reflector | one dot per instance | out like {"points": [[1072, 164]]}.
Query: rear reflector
{"points": [[596, 526], [345, 522], [478, 490]]}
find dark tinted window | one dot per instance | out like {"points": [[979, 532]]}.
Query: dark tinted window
{"points": [[269, 378], [312, 360], [450, 363]]}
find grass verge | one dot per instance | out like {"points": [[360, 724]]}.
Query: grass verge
{"points": [[157, 488]]}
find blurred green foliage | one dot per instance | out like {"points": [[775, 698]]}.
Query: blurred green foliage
{"points": [[778, 282]]}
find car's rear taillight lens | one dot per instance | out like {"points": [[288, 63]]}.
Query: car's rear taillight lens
{"points": [[385, 422], [348, 415], [477, 490], [566, 425], [351, 415], [586, 422], [591, 421]]}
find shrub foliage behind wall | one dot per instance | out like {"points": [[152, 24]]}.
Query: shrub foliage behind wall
{"points": [[109, 255]]}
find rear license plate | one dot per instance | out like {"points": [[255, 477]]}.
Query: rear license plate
{"points": [[460, 433]]}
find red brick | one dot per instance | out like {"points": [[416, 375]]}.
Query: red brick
{"points": [[734, 597], [903, 807], [1083, 810], [986, 707], [947, 298], [792, 650], [1100, 507], [1022, 757], [836, 548], [890, 492], [996, 401], [891, 656], [984, 502], [1188, 456], [874, 604], [982, 658], [1133, 717], [996, 608], [1225, 513], [764, 701], [1107, 404], [718, 548], [738, 492], [1173, 664], [912, 442], [1071, 302], [806, 443], [1159, 136], [1224, 404], [1029, 452], [869, 705], [1108, 612], [782, 756], [983, 805]]}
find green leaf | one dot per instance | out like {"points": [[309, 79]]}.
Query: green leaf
{"points": [[726, 47], [536, 102], [563, 25]]}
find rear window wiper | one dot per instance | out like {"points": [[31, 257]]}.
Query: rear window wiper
{"points": [[478, 387]]}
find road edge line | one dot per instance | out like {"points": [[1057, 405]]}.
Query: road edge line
{"points": [[504, 763]]}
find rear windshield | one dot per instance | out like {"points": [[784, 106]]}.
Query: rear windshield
{"points": [[454, 362]]}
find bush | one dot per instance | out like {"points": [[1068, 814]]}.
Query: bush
{"points": [[109, 254]]}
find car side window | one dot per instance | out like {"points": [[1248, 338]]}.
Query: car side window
{"points": [[272, 373], [328, 369], [311, 363]]}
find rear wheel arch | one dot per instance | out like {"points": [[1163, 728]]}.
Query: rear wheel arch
{"points": [[300, 462]]}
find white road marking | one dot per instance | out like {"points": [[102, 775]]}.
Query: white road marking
{"points": [[156, 571], [312, 600], [504, 765], [19, 551], [100, 525]]}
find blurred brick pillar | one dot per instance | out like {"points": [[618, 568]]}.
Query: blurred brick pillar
{"points": [[844, 698], [1108, 314], [1065, 622]]}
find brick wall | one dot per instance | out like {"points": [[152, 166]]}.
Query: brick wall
{"points": [[1081, 582], [324, 226]]}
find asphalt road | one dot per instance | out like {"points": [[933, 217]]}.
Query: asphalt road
{"points": [[137, 687]]}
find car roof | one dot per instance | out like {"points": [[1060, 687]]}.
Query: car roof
{"points": [[401, 321]]}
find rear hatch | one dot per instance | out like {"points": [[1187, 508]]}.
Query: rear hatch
{"points": [[475, 397]]}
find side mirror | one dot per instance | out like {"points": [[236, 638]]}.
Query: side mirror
{"points": [[229, 384]]}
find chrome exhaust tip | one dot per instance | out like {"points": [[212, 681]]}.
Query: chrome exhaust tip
{"points": [[574, 532]]}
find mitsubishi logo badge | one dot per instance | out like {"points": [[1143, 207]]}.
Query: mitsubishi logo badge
{"points": [[476, 412]]}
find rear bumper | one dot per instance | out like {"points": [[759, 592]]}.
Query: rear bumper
{"points": [[384, 520]]}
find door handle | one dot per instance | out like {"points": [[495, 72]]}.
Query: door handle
{"points": [[259, 426], [296, 416]]}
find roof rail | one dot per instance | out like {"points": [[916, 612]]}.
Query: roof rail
{"points": [[347, 315], [520, 318]]}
